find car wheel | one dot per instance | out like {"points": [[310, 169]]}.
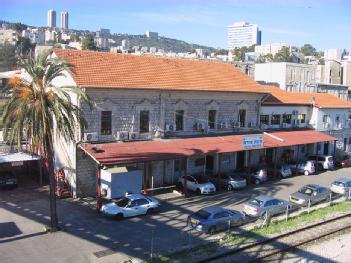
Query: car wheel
{"points": [[306, 173], [119, 216], [211, 230], [150, 211], [257, 182], [198, 191], [230, 187], [180, 186]]}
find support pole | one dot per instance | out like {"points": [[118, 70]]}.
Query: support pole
{"points": [[275, 163], [219, 172], [185, 190], [317, 167], [249, 161], [40, 172], [297, 161], [99, 201], [146, 172], [334, 153]]}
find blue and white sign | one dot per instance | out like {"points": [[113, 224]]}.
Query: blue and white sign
{"points": [[252, 142]]}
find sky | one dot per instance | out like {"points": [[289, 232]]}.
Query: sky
{"points": [[322, 23]]}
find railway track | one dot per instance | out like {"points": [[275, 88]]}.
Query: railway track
{"points": [[271, 247]]}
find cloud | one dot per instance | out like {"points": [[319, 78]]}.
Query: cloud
{"points": [[282, 31]]}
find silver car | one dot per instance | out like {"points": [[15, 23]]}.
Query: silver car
{"points": [[214, 218], [305, 168], [341, 186], [310, 193], [258, 206], [230, 182]]}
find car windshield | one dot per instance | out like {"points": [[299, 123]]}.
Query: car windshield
{"points": [[236, 178], [306, 191], [202, 214], [337, 183], [255, 202], [123, 202], [202, 179]]}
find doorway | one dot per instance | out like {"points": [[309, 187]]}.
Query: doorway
{"points": [[326, 148], [209, 164], [240, 159]]}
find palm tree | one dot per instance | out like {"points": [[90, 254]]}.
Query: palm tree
{"points": [[39, 110]]}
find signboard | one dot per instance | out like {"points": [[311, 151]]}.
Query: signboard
{"points": [[252, 142]]}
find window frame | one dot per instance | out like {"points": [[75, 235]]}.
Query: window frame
{"points": [[179, 114], [272, 119], [212, 123], [145, 129], [264, 115], [106, 123], [287, 118]]}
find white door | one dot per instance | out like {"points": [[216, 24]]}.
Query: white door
{"points": [[132, 209]]}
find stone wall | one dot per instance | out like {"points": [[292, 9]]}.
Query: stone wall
{"points": [[86, 181]]}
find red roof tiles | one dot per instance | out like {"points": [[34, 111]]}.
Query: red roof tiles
{"points": [[133, 152], [108, 70], [322, 100]]}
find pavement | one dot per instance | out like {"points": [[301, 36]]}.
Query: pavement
{"points": [[89, 237]]}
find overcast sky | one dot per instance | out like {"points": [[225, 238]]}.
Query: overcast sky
{"points": [[322, 23]]}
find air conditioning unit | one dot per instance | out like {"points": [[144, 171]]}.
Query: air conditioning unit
{"points": [[200, 126], [122, 135], [236, 124], [133, 136], [170, 127], [91, 137]]}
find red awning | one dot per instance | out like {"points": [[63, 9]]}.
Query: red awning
{"points": [[165, 149]]}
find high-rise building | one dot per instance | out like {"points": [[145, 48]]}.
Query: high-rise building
{"points": [[64, 20], [243, 34], [51, 18]]}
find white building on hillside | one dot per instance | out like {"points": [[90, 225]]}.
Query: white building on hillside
{"points": [[242, 34], [270, 48]]}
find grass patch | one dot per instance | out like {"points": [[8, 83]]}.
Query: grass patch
{"points": [[253, 235]]}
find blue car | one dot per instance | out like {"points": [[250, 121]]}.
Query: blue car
{"points": [[214, 218]]}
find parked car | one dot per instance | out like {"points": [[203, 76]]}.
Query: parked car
{"points": [[197, 183], [326, 162], [230, 181], [341, 186], [8, 180], [306, 167], [282, 170], [256, 175], [258, 206], [214, 218], [130, 205], [310, 193], [343, 161]]}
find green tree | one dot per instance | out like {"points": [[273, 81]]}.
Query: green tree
{"points": [[24, 47], [221, 51], [19, 27], [308, 50], [283, 55], [8, 58], [88, 43], [74, 38], [42, 109]]}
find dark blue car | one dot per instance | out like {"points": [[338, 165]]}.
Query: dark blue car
{"points": [[214, 218]]}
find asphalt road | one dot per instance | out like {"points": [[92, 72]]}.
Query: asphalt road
{"points": [[89, 237]]}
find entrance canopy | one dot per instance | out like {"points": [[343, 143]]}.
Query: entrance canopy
{"points": [[17, 157], [166, 149]]}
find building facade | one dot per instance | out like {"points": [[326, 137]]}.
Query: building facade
{"points": [[243, 34], [8, 36], [64, 21], [51, 18]]}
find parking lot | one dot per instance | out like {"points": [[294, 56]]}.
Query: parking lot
{"points": [[89, 237]]}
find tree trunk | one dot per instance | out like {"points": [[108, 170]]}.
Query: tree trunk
{"points": [[53, 213]]}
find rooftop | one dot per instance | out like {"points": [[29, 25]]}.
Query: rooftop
{"points": [[108, 70], [320, 100]]}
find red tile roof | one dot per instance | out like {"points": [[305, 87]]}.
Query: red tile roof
{"points": [[108, 70], [133, 152], [322, 100]]}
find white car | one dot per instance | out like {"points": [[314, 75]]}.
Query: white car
{"points": [[341, 186], [198, 184], [131, 205]]}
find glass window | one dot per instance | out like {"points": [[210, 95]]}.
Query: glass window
{"points": [[179, 120], [106, 122], [302, 118], [179, 165], [275, 119], [264, 119], [142, 202], [221, 215], [325, 118], [337, 119], [287, 118], [212, 119], [242, 117], [144, 121]]}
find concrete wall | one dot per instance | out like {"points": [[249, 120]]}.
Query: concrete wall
{"points": [[86, 179]]}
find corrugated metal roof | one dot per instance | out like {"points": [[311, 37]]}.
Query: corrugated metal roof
{"points": [[134, 152]]}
